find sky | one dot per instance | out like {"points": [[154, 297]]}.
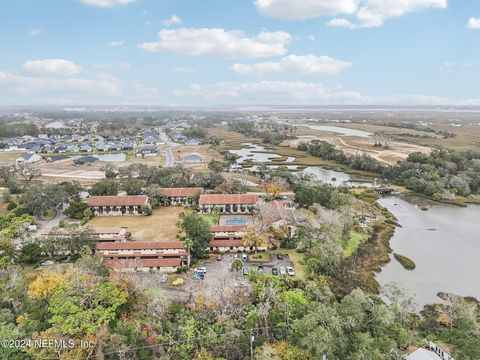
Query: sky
{"points": [[240, 52]]}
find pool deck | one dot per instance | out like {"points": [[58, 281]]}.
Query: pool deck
{"points": [[248, 219]]}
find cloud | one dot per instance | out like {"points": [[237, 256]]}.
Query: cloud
{"points": [[124, 65], [35, 32], [173, 20], [107, 3], [368, 13], [294, 65], [51, 67], [473, 23], [116, 43], [305, 9], [301, 93], [339, 22], [373, 13], [448, 67], [217, 42]]}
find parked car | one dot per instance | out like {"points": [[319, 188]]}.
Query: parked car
{"points": [[245, 271], [163, 279], [244, 257], [274, 271], [260, 269], [201, 270], [280, 256], [219, 257], [290, 271], [283, 271]]}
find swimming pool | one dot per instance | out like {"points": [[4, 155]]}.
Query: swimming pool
{"points": [[235, 221]]}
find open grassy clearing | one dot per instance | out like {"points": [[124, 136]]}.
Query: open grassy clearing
{"points": [[160, 226], [9, 157], [212, 219], [350, 245]]}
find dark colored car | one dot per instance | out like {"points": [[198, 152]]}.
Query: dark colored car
{"points": [[261, 269], [280, 256], [274, 271], [245, 271]]}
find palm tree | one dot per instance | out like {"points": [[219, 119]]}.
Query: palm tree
{"points": [[188, 243]]}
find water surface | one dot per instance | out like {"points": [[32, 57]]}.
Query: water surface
{"points": [[444, 243], [340, 130]]}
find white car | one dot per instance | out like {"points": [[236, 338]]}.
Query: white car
{"points": [[283, 271], [244, 257], [201, 270], [290, 271]]}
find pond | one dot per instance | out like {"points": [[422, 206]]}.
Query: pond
{"points": [[258, 154], [255, 153], [444, 244], [340, 130]]}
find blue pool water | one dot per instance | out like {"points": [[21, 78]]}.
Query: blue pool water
{"points": [[235, 221]]}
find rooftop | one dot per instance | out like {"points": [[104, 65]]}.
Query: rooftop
{"points": [[129, 200], [220, 199], [180, 192]]}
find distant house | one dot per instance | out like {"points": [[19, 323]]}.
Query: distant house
{"points": [[147, 150], [76, 137], [57, 158], [103, 147], [432, 352], [28, 158], [192, 142], [228, 203], [85, 148], [150, 140], [111, 234], [115, 147], [116, 205], [82, 160], [127, 146], [277, 214], [180, 196], [61, 148], [72, 148]]}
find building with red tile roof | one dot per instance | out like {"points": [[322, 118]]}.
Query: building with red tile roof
{"points": [[116, 205], [228, 203], [181, 196]]}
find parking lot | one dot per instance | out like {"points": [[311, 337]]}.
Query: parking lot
{"points": [[220, 280]]}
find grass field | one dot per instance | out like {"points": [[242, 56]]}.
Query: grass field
{"points": [[350, 245], [9, 157], [160, 226], [212, 219]]}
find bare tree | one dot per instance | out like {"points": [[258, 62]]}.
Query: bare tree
{"points": [[28, 172]]}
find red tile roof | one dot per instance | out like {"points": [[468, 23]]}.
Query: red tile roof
{"points": [[225, 243], [107, 230], [140, 245], [132, 263], [144, 256], [227, 228], [129, 200], [220, 199], [181, 192]]}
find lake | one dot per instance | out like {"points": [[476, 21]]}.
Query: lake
{"points": [[258, 154], [443, 242], [340, 130]]}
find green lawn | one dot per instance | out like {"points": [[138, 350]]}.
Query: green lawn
{"points": [[212, 219], [260, 257], [297, 259], [349, 246]]}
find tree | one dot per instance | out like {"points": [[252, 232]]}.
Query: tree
{"points": [[40, 199], [132, 186], [105, 187], [232, 186], [28, 172], [76, 209], [68, 241], [197, 230], [30, 253], [110, 170], [82, 306], [156, 196], [217, 166], [251, 238], [7, 173], [237, 265], [72, 189]]}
